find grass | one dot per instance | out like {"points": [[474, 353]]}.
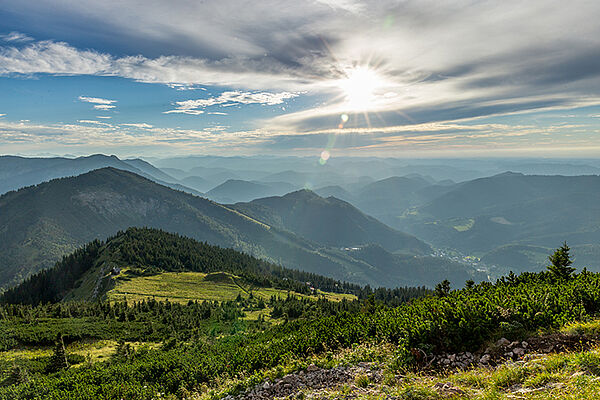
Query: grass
{"points": [[464, 225], [573, 376], [185, 286]]}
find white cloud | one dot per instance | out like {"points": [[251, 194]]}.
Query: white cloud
{"points": [[232, 98], [140, 125], [104, 106], [217, 113], [184, 111], [99, 103], [182, 86], [103, 117], [16, 37], [89, 121], [96, 100], [2, 115]]}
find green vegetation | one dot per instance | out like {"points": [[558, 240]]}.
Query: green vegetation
{"points": [[456, 321]]}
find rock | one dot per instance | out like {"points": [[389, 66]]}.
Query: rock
{"points": [[524, 344], [518, 351], [485, 359], [514, 344], [448, 389], [312, 368], [502, 342]]}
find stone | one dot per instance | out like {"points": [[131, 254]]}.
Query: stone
{"points": [[502, 342], [312, 368], [518, 351], [485, 359]]}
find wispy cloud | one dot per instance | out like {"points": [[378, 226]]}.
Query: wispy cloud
{"points": [[182, 86], [91, 121], [231, 98], [99, 104], [16, 37], [96, 100], [139, 125]]}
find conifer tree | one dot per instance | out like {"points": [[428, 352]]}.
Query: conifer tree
{"points": [[58, 361], [561, 262]]}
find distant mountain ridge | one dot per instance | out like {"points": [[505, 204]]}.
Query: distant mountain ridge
{"points": [[18, 172]]}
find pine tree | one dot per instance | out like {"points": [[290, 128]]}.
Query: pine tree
{"points": [[58, 361], [442, 288], [561, 261]]}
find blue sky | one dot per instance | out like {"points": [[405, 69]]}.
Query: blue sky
{"points": [[389, 78]]}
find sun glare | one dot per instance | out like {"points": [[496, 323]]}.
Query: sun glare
{"points": [[359, 88]]}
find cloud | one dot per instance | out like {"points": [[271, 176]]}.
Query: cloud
{"points": [[231, 98], [217, 113], [88, 121], [99, 104], [96, 100], [2, 115], [437, 62], [181, 86], [103, 117], [140, 125], [104, 106], [16, 37], [184, 111]]}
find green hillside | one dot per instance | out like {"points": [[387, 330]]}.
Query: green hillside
{"points": [[128, 261]]}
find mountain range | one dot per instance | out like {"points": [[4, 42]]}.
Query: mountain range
{"points": [[39, 224]]}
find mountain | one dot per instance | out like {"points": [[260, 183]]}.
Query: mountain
{"points": [[329, 221], [150, 170], [18, 172], [483, 215], [197, 182], [39, 224], [235, 190], [388, 199]]}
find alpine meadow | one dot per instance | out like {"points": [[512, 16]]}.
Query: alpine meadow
{"points": [[314, 199]]}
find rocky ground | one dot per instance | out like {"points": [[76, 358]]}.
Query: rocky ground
{"points": [[514, 370]]}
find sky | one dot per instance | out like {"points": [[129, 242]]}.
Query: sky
{"points": [[325, 77]]}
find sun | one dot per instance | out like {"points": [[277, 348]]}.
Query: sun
{"points": [[359, 88]]}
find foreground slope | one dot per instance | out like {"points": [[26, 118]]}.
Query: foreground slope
{"points": [[485, 319]]}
